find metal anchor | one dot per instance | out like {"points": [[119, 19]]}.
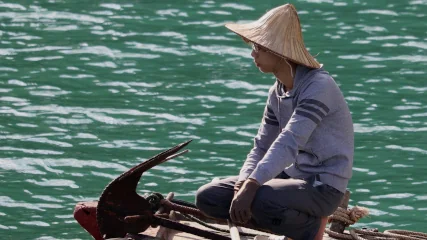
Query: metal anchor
{"points": [[121, 210]]}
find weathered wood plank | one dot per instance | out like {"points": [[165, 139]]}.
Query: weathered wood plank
{"points": [[174, 235]]}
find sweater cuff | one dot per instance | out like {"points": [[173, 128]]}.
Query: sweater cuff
{"points": [[243, 176], [260, 176]]}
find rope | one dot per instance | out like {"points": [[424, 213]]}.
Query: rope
{"points": [[388, 235], [360, 234], [182, 209], [351, 216], [409, 233]]}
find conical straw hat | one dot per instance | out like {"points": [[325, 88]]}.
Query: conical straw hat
{"points": [[279, 31]]}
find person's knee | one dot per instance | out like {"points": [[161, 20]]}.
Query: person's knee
{"points": [[214, 201], [202, 196]]}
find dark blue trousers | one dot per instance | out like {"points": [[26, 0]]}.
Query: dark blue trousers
{"points": [[284, 206]]}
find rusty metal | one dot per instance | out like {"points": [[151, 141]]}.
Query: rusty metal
{"points": [[169, 197], [120, 199], [184, 209]]}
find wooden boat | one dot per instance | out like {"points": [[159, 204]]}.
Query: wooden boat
{"points": [[121, 213]]}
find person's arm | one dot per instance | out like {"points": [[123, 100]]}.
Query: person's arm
{"points": [[314, 103], [267, 133]]}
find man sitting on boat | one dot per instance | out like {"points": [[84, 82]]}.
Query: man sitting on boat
{"points": [[298, 170]]}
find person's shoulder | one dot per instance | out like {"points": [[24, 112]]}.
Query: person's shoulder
{"points": [[320, 83], [321, 75], [321, 79]]}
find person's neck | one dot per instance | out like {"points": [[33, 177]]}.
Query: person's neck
{"points": [[283, 74]]}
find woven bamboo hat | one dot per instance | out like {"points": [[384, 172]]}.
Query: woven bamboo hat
{"points": [[279, 31]]}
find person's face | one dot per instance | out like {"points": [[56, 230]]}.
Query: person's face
{"points": [[264, 59]]}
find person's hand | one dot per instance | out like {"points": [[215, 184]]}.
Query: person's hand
{"points": [[240, 210], [237, 186]]}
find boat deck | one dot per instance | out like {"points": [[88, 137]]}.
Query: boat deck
{"points": [[168, 234]]}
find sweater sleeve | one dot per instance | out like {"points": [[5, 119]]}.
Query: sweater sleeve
{"points": [[315, 102], [267, 133]]}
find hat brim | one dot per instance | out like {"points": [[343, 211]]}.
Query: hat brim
{"points": [[234, 27], [279, 31]]}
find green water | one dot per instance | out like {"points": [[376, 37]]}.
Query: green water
{"points": [[90, 88]]}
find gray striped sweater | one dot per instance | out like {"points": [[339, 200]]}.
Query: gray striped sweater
{"points": [[306, 131]]}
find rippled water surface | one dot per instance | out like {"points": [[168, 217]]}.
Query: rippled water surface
{"points": [[89, 89]]}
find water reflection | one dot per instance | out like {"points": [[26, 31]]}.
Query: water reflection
{"points": [[87, 92]]}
